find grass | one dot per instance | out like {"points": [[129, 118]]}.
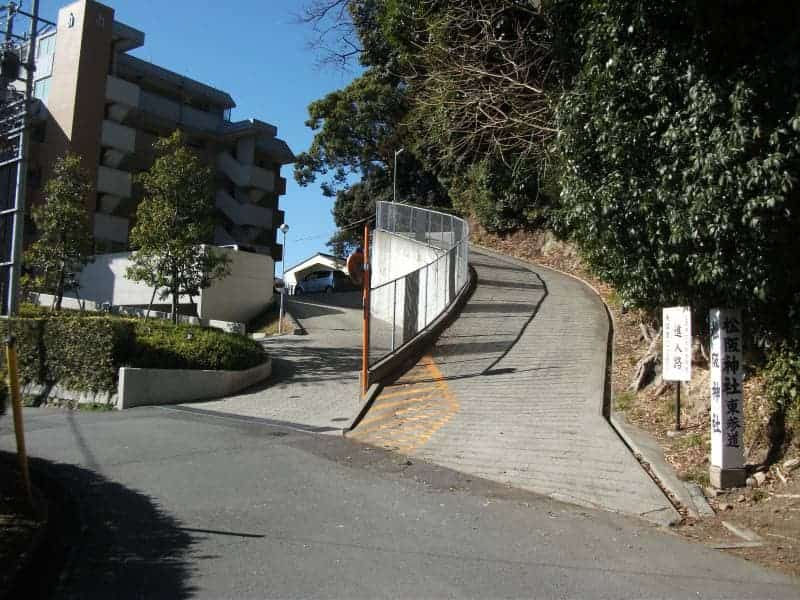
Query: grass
{"points": [[697, 474], [267, 321], [95, 407], [624, 400], [694, 440], [614, 300]]}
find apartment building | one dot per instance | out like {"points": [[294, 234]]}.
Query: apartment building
{"points": [[99, 101]]}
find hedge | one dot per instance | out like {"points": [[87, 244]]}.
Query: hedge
{"points": [[84, 353]]}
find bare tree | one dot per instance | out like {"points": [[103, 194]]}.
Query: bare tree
{"points": [[482, 79], [334, 36]]}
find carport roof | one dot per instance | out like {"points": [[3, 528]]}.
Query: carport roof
{"points": [[336, 260]]}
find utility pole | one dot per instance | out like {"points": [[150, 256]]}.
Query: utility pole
{"points": [[14, 130], [17, 51]]}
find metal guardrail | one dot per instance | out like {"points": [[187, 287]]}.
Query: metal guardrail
{"points": [[405, 305]]}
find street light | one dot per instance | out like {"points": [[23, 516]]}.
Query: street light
{"points": [[394, 185], [284, 228]]}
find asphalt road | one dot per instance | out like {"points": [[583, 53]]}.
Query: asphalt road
{"points": [[180, 505]]}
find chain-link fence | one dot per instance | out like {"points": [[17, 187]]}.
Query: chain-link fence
{"points": [[405, 298]]}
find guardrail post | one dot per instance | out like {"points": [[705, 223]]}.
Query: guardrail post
{"points": [[394, 310]]}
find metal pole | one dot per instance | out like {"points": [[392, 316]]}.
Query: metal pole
{"points": [[394, 310], [427, 295], [16, 406], [283, 286], [365, 329], [677, 406], [16, 245], [22, 171], [394, 174]]}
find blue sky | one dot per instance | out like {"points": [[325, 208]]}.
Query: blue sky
{"points": [[254, 50]]}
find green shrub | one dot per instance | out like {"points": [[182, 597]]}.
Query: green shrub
{"points": [[161, 345], [782, 375], [84, 353], [79, 353], [679, 142]]}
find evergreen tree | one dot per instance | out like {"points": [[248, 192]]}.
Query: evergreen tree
{"points": [[64, 243], [173, 220]]}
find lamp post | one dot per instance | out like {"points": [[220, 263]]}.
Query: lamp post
{"points": [[284, 228], [394, 184]]}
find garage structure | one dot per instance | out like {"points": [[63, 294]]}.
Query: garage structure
{"points": [[319, 262]]}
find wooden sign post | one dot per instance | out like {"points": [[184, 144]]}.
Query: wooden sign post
{"points": [[677, 351]]}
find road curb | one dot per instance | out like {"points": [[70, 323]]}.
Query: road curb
{"points": [[297, 328], [647, 449], [369, 398]]}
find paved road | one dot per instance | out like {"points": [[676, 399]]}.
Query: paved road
{"points": [[513, 392], [178, 505], [315, 376]]}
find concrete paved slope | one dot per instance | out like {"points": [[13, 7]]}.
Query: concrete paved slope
{"points": [[315, 376], [513, 392]]}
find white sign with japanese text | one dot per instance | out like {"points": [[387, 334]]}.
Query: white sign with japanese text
{"points": [[676, 334], [726, 375]]}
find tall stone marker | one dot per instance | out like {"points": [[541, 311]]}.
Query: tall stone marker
{"points": [[727, 399]]}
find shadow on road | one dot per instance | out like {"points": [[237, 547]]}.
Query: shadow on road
{"points": [[105, 541], [301, 364]]}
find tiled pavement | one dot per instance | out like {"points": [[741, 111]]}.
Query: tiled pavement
{"points": [[513, 392], [315, 378]]}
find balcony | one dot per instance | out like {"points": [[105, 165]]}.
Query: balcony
{"points": [[119, 91], [177, 114], [114, 182], [243, 214], [118, 137], [111, 228], [246, 176]]}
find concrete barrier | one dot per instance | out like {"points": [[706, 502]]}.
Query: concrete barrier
{"points": [[152, 387]]}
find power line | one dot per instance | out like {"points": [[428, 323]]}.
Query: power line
{"points": [[341, 229]]}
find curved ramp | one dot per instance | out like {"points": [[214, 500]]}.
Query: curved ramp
{"points": [[513, 392]]}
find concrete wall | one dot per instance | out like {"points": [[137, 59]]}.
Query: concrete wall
{"points": [[151, 387], [239, 297], [244, 293], [410, 303], [394, 256]]}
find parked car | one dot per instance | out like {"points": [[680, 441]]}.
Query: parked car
{"points": [[324, 281]]}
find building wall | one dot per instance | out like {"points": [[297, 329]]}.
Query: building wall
{"points": [[76, 99], [238, 297], [109, 107], [246, 292]]}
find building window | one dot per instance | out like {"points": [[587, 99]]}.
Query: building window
{"points": [[46, 46], [41, 89]]}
